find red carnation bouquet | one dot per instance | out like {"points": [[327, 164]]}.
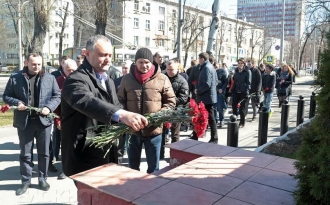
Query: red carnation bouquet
{"points": [[192, 113], [5, 108]]}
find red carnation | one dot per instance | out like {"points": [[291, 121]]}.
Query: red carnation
{"points": [[167, 125], [4, 108], [238, 105], [267, 88], [194, 82], [194, 108]]}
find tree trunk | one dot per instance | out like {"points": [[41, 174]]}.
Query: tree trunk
{"points": [[41, 17], [60, 47], [214, 24], [101, 16], [303, 48]]}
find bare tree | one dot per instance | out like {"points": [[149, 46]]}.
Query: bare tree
{"points": [[239, 35], [256, 40], [64, 18], [214, 24], [101, 15]]}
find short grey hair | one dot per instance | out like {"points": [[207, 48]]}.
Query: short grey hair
{"points": [[69, 62], [91, 42]]}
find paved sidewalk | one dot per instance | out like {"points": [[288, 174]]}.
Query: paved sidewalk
{"points": [[64, 191]]}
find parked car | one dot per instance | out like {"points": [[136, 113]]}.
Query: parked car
{"points": [[49, 69], [4, 69]]}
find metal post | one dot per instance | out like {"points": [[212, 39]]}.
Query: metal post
{"points": [[313, 58], [19, 25], [263, 126], [312, 106], [282, 34], [232, 132], [180, 22], [285, 117], [300, 110]]}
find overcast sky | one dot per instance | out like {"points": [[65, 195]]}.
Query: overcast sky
{"points": [[226, 6]]}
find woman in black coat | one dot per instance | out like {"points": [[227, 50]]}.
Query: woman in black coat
{"points": [[284, 83]]}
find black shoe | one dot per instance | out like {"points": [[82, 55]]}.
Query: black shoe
{"points": [[52, 168], [253, 119], [44, 186], [22, 189], [62, 176], [213, 141]]}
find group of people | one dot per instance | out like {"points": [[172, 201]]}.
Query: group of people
{"points": [[90, 92]]}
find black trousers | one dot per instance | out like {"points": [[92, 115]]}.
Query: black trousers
{"points": [[34, 129], [212, 123], [175, 135], [238, 97]]}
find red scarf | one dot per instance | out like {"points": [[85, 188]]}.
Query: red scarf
{"points": [[144, 77]]}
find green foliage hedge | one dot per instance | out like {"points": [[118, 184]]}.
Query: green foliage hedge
{"points": [[313, 165]]}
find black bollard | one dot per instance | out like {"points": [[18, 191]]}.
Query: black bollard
{"points": [[312, 106], [285, 117], [232, 132], [300, 110], [263, 126]]}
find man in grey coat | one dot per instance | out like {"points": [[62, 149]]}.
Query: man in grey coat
{"points": [[33, 87]]}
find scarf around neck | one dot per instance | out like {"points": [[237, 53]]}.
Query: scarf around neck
{"points": [[144, 77]]}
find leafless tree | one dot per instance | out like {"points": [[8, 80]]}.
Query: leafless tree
{"points": [[256, 40], [64, 19]]}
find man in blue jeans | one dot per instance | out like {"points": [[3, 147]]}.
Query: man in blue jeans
{"points": [[145, 90], [268, 86]]}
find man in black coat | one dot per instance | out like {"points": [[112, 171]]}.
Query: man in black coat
{"points": [[256, 82], [33, 87], [181, 90], [89, 99]]}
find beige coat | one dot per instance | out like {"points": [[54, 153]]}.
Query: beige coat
{"points": [[154, 95]]}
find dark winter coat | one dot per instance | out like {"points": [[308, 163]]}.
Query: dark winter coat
{"points": [[285, 87], [207, 84], [114, 73], [47, 94], [268, 82], [256, 81], [180, 88], [58, 72], [242, 81], [85, 103], [222, 76], [194, 75]]}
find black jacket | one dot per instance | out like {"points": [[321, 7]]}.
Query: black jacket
{"points": [[114, 73], [222, 75], [242, 81], [17, 90], [58, 72], [180, 88], [207, 84], [268, 82], [194, 75], [85, 103], [256, 81]]}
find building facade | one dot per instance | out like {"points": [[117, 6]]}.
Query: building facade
{"points": [[268, 13]]}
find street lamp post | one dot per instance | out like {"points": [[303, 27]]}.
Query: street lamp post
{"points": [[282, 33], [19, 25]]}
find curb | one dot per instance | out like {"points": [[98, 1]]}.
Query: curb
{"points": [[280, 138]]}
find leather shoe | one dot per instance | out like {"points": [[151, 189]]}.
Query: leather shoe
{"points": [[52, 168], [44, 185], [62, 176], [22, 189], [213, 141]]}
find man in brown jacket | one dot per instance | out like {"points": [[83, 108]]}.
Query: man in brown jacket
{"points": [[145, 90]]}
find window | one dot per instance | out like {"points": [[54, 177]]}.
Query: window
{"points": [[147, 8], [201, 19], [56, 45], [147, 24], [173, 13], [56, 24], [235, 50], [12, 45], [161, 25], [136, 23], [136, 5], [161, 42], [162, 10], [59, 24], [228, 50], [57, 35], [147, 41], [136, 40]]}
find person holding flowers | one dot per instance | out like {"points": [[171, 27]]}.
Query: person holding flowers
{"points": [[146, 90], [32, 87], [89, 100], [206, 91]]}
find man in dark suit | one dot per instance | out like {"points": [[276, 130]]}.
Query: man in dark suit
{"points": [[89, 99], [33, 87]]}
